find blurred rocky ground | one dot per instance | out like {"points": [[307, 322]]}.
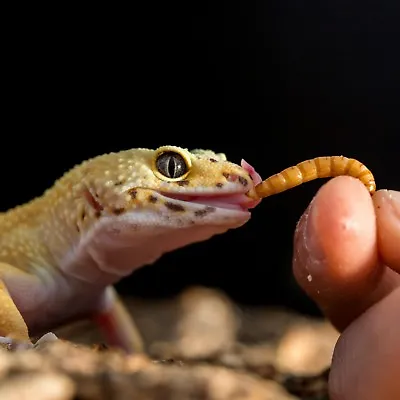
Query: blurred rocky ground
{"points": [[199, 345]]}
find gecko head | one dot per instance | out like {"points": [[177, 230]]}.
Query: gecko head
{"points": [[174, 184], [198, 186], [144, 203]]}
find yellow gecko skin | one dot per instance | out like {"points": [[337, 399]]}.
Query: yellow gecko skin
{"points": [[61, 253]]}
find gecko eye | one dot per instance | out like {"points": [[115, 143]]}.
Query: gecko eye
{"points": [[171, 165]]}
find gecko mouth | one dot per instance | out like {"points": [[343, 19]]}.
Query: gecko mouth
{"points": [[231, 201]]}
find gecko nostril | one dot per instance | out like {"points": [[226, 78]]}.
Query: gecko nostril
{"points": [[230, 177], [235, 177]]}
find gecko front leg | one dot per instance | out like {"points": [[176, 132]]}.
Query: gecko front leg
{"points": [[112, 317], [14, 331], [114, 320], [12, 325]]}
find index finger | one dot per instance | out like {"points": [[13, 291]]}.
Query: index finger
{"points": [[337, 254]]}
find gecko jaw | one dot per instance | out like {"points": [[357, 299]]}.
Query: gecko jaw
{"points": [[232, 201]]}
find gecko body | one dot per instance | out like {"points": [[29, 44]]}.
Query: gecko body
{"points": [[61, 253]]}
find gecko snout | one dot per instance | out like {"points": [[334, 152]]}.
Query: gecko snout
{"points": [[232, 177]]}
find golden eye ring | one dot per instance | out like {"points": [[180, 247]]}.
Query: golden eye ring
{"points": [[171, 164]]}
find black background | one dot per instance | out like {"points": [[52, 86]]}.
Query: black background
{"points": [[272, 82]]}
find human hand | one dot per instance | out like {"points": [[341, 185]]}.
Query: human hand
{"points": [[347, 259]]}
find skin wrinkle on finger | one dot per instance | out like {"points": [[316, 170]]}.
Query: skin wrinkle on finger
{"points": [[313, 282], [301, 237], [310, 270]]}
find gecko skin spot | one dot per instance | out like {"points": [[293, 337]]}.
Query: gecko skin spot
{"points": [[174, 207], [94, 203], [118, 211], [183, 183], [132, 193], [219, 185], [97, 214], [230, 177], [213, 160], [152, 199], [204, 211], [243, 181], [118, 183]]}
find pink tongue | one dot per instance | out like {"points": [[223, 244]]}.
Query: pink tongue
{"points": [[252, 172]]}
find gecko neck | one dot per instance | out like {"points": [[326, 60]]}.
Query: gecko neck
{"points": [[117, 246]]}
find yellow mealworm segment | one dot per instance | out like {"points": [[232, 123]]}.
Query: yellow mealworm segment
{"points": [[319, 167]]}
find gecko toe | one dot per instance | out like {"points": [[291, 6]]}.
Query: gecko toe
{"points": [[14, 345]]}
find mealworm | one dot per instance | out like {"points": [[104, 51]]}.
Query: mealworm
{"points": [[319, 167]]}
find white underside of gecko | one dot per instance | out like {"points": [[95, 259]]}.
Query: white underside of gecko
{"points": [[118, 245]]}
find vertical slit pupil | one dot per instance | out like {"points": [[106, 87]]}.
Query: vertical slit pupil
{"points": [[172, 167]]}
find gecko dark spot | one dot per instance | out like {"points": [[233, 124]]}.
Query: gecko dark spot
{"points": [[152, 199], [213, 160], [77, 228], [97, 214], [118, 183], [118, 211], [93, 202], [132, 193], [183, 183], [83, 215], [226, 175], [174, 207], [243, 181], [204, 211], [219, 185]]}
